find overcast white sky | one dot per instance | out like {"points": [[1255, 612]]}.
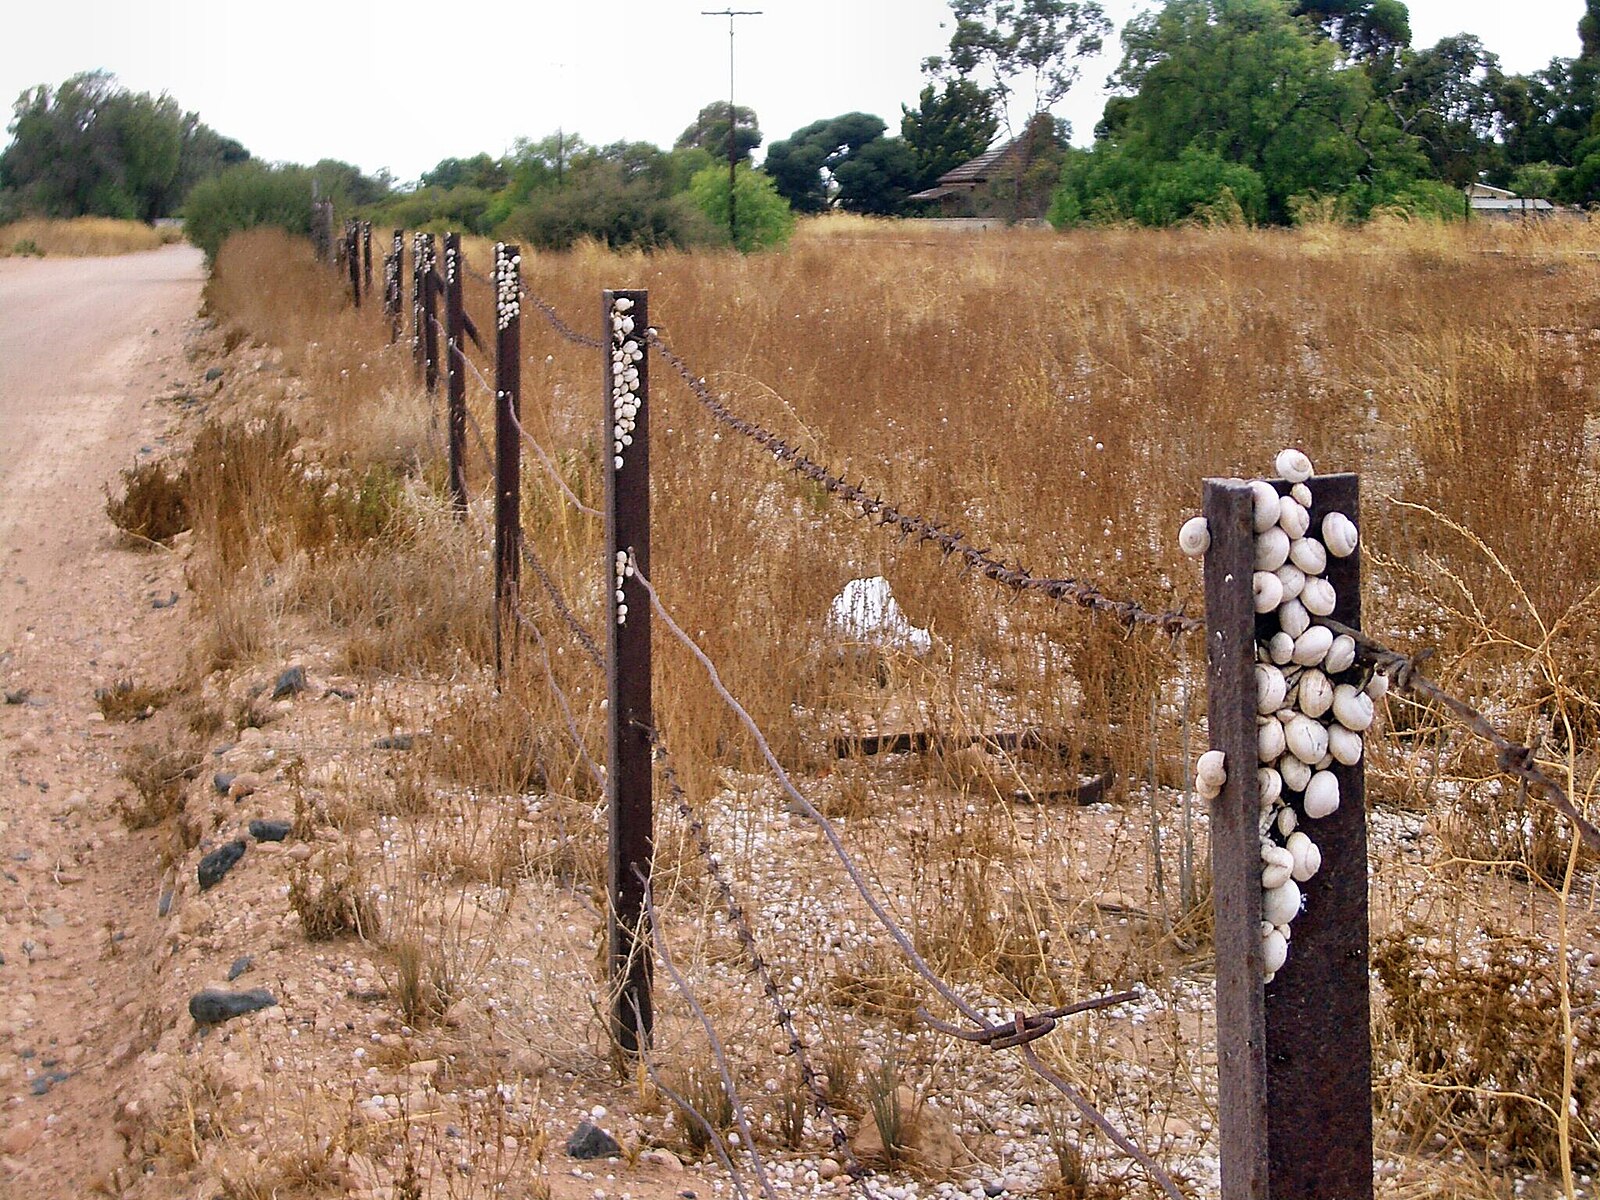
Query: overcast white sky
{"points": [[402, 85]]}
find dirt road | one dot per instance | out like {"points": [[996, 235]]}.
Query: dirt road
{"points": [[86, 346]]}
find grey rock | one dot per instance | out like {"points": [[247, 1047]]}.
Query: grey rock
{"points": [[219, 862], [169, 602], [271, 831], [993, 1189], [240, 965], [395, 741], [43, 1083], [290, 683], [213, 374], [20, 696], [213, 1006], [222, 781], [164, 905], [590, 1141]]}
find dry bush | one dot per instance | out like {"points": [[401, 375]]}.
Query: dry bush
{"points": [[154, 504], [158, 772], [332, 896], [126, 700], [1479, 1037], [81, 237]]}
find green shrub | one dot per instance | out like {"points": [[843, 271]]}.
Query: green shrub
{"points": [[243, 197], [763, 217]]}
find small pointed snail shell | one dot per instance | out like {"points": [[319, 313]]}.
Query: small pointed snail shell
{"points": [[1281, 904], [1322, 795], [1267, 590], [1266, 505], [1293, 465], [1352, 707], [1272, 549], [1339, 534], [1296, 774], [1319, 597], [1309, 555], [1306, 858], [1194, 539]]}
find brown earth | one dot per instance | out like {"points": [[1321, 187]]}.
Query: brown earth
{"points": [[86, 346]]}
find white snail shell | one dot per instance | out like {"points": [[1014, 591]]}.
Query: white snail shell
{"points": [[1280, 648], [1274, 855], [1339, 534], [1309, 555], [1316, 693], [1293, 465], [1211, 771], [1293, 618], [1293, 580], [1293, 519], [1312, 646], [1269, 785], [1274, 953], [1319, 597], [1302, 495], [1306, 738], [1344, 744], [1268, 591], [1266, 505], [1341, 655], [1281, 904], [1296, 774], [1287, 820], [1270, 741], [1352, 707], [1377, 686], [1194, 539], [1271, 687], [1307, 859], [1272, 549], [1322, 795]]}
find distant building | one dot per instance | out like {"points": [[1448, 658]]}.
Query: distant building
{"points": [[1486, 201], [955, 191]]}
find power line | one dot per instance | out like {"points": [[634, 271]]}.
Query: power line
{"points": [[733, 120]]}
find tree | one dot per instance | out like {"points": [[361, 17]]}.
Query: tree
{"points": [[244, 196], [709, 132], [1003, 45], [479, 171], [947, 128], [878, 177], [765, 218], [1371, 31], [804, 165], [1443, 97]]}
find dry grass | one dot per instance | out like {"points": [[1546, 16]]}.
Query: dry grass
{"points": [[1061, 397], [82, 237]]}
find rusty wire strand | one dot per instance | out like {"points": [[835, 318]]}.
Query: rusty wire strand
{"points": [[950, 543], [559, 602], [745, 936], [554, 473], [527, 623], [880, 912], [553, 318], [1513, 758]]}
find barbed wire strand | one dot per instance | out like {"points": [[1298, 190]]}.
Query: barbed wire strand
{"points": [[951, 543], [1513, 758], [553, 319], [554, 473], [578, 629], [745, 936], [1157, 1174], [527, 623], [664, 954]]}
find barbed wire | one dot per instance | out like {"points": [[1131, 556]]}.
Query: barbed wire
{"points": [[563, 609], [528, 624], [1513, 758], [993, 1035], [745, 936], [553, 319], [554, 473], [951, 543]]}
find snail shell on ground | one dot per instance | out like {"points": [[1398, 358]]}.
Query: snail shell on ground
{"points": [[1319, 597], [1272, 549], [1339, 534], [1268, 591], [1322, 795], [1293, 465], [1194, 539], [1281, 904], [1352, 707], [1309, 555], [1267, 505], [1293, 618]]}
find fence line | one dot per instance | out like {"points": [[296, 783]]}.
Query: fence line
{"points": [[632, 911]]}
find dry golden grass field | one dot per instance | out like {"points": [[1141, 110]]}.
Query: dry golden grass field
{"points": [[1059, 398], [82, 236]]}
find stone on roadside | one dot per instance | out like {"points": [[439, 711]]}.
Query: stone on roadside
{"points": [[219, 862], [271, 831], [222, 781], [590, 1141], [240, 965], [214, 1006], [246, 783], [290, 683]]}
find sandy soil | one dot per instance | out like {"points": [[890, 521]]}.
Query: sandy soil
{"points": [[86, 347]]}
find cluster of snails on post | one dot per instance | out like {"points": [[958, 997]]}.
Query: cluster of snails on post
{"points": [[624, 569], [507, 300], [1312, 702], [626, 355]]}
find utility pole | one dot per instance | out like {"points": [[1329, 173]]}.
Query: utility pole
{"points": [[733, 121]]}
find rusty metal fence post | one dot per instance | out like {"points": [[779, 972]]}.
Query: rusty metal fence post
{"points": [[1293, 1055], [352, 256], [625, 316], [507, 443], [393, 272], [454, 373], [428, 315], [366, 257]]}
